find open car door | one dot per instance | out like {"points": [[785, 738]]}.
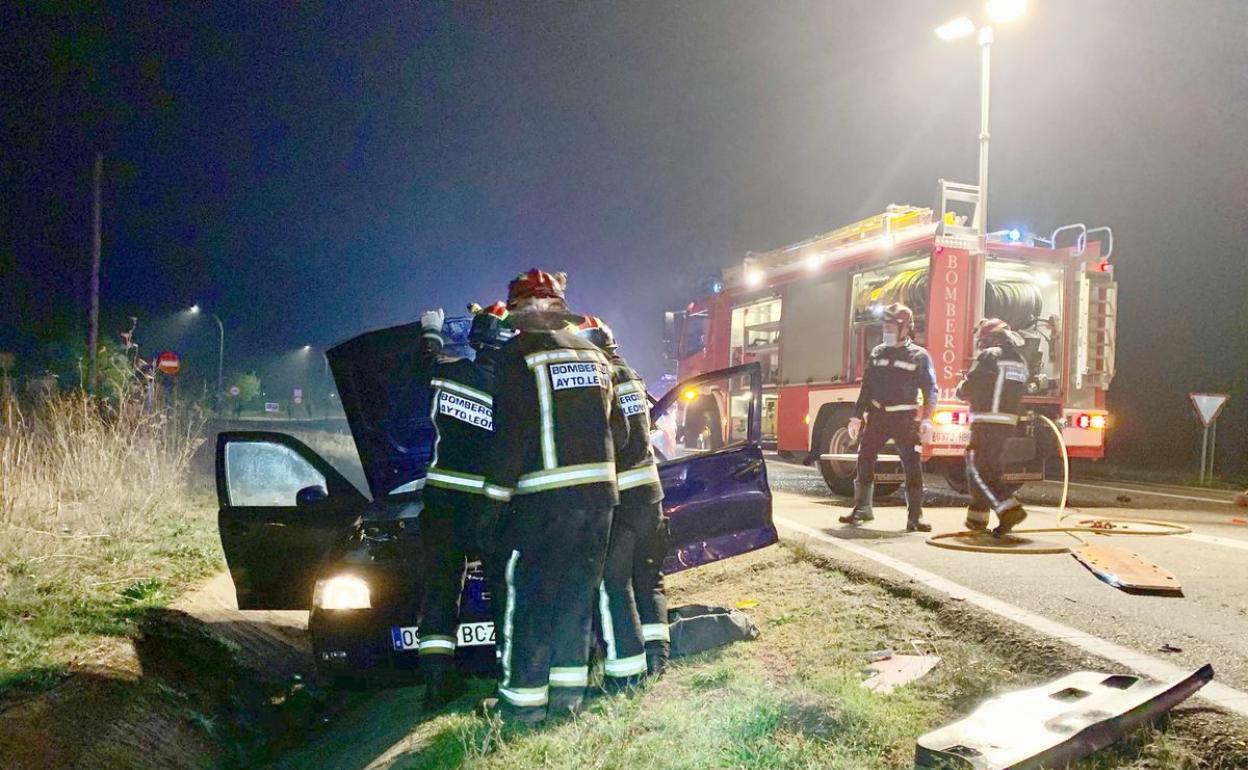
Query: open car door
{"points": [[706, 437], [281, 508]]}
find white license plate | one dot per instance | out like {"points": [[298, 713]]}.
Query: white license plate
{"points": [[404, 638], [890, 477], [474, 634]]}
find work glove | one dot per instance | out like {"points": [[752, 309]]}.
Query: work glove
{"points": [[854, 428], [432, 319], [925, 430]]}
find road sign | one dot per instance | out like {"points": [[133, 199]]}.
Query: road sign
{"points": [[169, 363], [1208, 406], [235, 391], [269, 406], [298, 395]]}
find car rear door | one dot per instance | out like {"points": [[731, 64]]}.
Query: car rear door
{"points": [[275, 525], [706, 435]]}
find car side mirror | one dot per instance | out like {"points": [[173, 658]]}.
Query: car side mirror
{"points": [[310, 496]]}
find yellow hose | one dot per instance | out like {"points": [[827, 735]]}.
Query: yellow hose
{"points": [[1101, 525]]}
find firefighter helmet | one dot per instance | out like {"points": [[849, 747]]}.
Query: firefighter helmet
{"points": [[596, 331], [899, 314], [991, 332], [536, 284], [489, 327]]}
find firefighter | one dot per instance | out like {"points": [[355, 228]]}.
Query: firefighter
{"points": [[632, 603], [557, 431], [455, 505], [897, 373], [994, 387]]}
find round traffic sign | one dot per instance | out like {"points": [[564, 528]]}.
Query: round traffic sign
{"points": [[168, 362], [234, 390]]}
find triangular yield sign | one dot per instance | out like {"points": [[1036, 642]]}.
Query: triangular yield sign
{"points": [[1208, 406]]}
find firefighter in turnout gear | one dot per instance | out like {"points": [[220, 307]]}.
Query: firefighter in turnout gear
{"points": [[994, 387], [456, 511], [898, 373], [632, 603], [558, 428]]}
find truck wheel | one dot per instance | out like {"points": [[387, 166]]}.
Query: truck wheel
{"points": [[954, 472], [838, 475]]}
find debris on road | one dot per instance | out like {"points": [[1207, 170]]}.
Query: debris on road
{"points": [[1054, 724], [889, 670], [1127, 570], [1169, 648]]}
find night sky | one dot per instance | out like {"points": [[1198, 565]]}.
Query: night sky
{"points": [[310, 171]]}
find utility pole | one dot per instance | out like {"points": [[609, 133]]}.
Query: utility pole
{"points": [[93, 321]]}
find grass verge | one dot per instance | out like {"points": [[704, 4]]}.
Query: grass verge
{"points": [[99, 524], [792, 699]]}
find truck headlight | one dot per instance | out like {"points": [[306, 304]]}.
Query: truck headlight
{"points": [[344, 592]]}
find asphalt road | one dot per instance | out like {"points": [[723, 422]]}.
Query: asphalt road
{"points": [[1208, 624]]}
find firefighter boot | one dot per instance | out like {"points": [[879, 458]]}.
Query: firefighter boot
{"points": [[441, 680], [657, 653], [914, 508], [863, 490], [566, 701], [976, 521], [531, 715], [1009, 519]]}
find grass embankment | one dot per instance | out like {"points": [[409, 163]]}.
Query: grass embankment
{"points": [[791, 699], [99, 523]]}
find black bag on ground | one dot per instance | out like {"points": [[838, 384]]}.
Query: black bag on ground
{"points": [[697, 628]]}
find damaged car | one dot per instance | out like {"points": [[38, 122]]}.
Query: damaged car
{"points": [[297, 535]]}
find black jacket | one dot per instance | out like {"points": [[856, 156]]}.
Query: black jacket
{"points": [[462, 413], [557, 424], [637, 475], [895, 377], [995, 386]]}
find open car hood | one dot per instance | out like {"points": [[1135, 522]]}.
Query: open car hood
{"points": [[385, 395]]}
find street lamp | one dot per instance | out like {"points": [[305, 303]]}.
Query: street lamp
{"points": [[998, 11], [220, 348]]}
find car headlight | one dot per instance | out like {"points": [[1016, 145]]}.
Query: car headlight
{"points": [[344, 592]]}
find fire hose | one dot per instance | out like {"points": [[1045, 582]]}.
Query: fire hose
{"points": [[1101, 525]]}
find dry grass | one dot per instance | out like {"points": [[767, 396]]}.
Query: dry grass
{"points": [[97, 522]]}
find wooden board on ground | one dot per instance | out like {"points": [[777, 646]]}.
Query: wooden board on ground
{"points": [[1127, 570]]}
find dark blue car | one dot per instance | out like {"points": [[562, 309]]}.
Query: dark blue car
{"points": [[298, 535]]}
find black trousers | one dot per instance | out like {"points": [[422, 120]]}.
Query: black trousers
{"points": [[983, 469], [448, 536], [648, 579], [902, 428], [552, 574], [633, 581]]}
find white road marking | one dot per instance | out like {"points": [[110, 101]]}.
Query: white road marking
{"points": [[1228, 698], [1139, 491], [1225, 542]]}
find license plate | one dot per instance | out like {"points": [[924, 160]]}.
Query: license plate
{"points": [[890, 477], [1023, 476], [404, 638], [474, 634]]}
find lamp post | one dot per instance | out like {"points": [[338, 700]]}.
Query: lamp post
{"points": [[998, 11], [220, 346]]}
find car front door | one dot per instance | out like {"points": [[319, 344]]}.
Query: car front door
{"points": [[281, 508], [706, 436]]}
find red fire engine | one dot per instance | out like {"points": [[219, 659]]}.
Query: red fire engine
{"points": [[809, 313]]}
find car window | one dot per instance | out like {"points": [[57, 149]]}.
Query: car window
{"points": [[705, 417], [259, 473]]}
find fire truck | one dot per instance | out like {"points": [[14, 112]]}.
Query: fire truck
{"points": [[810, 313]]}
